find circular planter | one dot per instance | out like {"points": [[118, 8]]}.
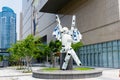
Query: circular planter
{"points": [[69, 74]]}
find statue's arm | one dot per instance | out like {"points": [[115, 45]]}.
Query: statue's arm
{"points": [[59, 23], [76, 35], [73, 22]]}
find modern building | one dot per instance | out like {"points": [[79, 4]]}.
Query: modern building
{"points": [[20, 28], [7, 30], [97, 20]]}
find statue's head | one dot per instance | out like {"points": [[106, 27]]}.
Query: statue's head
{"points": [[65, 30]]}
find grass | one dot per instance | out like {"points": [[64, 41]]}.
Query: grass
{"points": [[79, 68], [50, 69], [83, 68]]}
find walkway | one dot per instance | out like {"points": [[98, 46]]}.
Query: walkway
{"points": [[11, 74]]}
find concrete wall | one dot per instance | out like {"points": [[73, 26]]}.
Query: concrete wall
{"points": [[45, 21], [21, 27], [27, 18], [46, 24], [97, 20]]}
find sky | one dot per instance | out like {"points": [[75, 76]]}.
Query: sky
{"points": [[16, 6]]}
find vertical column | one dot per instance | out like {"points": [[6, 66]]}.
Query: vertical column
{"points": [[92, 55], [105, 56], [118, 53], [115, 54], [110, 56], [100, 54]]}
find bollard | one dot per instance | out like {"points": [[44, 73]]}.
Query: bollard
{"points": [[119, 73]]}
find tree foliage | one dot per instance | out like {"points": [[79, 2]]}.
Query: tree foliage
{"points": [[55, 46], [32, 47], [16, 52], [28, 48], [77, 45], [1, 58]]}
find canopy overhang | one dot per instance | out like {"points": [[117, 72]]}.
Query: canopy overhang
{"points": [[53, 6]]}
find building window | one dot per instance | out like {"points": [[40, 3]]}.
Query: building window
{"points": [[106, 54]]}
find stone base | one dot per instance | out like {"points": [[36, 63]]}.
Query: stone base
{"points": [[69, 74]]}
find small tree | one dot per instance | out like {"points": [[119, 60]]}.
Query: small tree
{"points": [[32, 46], [77, 45], [1, 58], [55, 47], [47, 52], [16, 51], [27, 48]]}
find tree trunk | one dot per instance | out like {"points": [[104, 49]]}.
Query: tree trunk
{"points": [[28, 64], [47, 59], [53, 61]]}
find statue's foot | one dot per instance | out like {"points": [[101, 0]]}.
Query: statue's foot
{"points": [[63, 69], [80, 64]]}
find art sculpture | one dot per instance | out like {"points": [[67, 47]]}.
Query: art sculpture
{"points": [[67, 37]]}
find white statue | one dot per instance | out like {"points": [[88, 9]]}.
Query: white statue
{"points": [[67, 37]]}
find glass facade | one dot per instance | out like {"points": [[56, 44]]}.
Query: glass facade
{"points": [[7, 29], [106, 54]]}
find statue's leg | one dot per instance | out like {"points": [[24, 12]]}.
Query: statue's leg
{"points": [[75, 57], [66, 60]]}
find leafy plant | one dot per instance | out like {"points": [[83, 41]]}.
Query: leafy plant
{"points": [[16, 51], [1, 58], [28, 49], [54, 48], [77, 45]]}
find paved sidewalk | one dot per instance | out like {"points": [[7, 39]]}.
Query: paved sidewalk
{"points": [[108, 74], [11, 74]]}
